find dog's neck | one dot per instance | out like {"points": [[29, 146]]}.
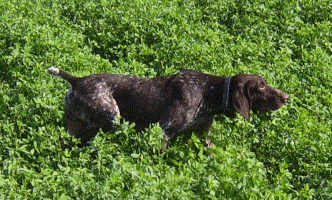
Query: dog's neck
{"points": [[225, 94]]}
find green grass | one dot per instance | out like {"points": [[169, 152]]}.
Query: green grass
{"points": [[286, 154]]}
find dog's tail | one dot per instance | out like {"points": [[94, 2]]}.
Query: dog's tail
{"points": [[58, 72]]}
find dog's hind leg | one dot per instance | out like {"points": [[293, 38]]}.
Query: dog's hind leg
{"points": [[89, 110], [79, 129]]}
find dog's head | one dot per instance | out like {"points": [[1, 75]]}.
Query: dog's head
{"points": [[252, 92]]}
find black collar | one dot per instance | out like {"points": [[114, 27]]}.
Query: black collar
{"points": [[225, 94]]}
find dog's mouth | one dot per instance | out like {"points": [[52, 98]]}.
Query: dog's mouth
{"points": [[268, 108], [279, 103], [277, 107], [265, 110]]}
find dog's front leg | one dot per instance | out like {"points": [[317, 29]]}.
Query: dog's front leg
{"points": [[168, 137], [166, 143], [208, 140], [204, 127], [178, 120]]}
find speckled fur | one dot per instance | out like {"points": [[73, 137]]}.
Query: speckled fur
{"points": [[182, 103]]}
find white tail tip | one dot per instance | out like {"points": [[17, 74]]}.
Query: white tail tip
{"points": [[54, 70]]}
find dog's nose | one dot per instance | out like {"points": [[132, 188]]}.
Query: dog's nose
{"points": [[285, 97]]}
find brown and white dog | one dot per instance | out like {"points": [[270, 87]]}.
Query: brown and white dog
{"points": [[182, 103]]}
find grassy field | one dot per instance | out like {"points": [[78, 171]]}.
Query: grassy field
{"points": [[286, 154]]}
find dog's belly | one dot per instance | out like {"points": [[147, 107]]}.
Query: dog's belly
{"points": [[135, 113], [143, 103], [142, 111]]}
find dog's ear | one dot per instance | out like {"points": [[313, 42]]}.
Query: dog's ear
{"points": [[241, 100]]}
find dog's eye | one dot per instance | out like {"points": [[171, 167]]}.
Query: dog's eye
{"points": [[262, 87]]}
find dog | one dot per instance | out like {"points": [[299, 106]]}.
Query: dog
{"points": [[182, 103]]}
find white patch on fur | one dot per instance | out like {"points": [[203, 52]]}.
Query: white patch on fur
{"points": [[54, 70]]}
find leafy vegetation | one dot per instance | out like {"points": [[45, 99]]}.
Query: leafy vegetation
{"points": [[286, 154]]}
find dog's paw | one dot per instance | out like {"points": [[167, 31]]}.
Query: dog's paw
{"points": [[53, 70]]}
